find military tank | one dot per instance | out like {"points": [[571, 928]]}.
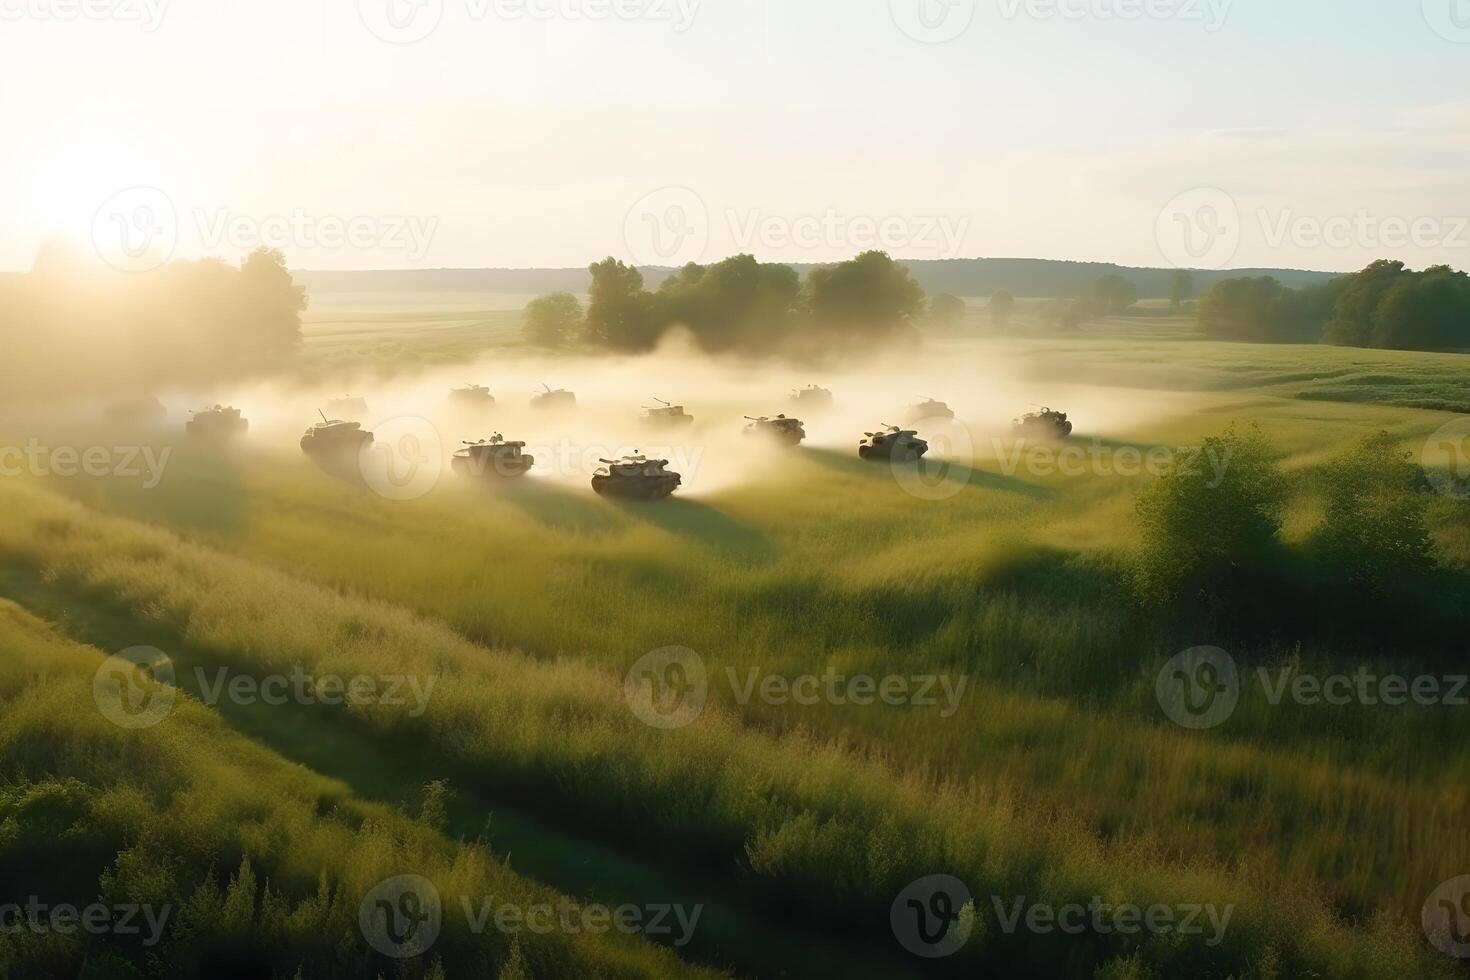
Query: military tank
{"points": [[558, 400], [635, 478], [784, 430], [893, 443], [348, 407], [929, 409], [1045, 424], [217, 422], [142, 410], [334, 439], [492, 457], [471, 396], [812, 398], [666, 415]]}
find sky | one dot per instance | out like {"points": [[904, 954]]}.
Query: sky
{"points": [[411, 134]]}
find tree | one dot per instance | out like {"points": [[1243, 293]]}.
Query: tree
{"points": [[1181, 287], [1112, 294], [552, 320], [1211, 520], [1357, 305], [947, 309], [274, 301], [619, 311], [866, 296], [1424, 311], [1002, 305], [1258, 310], [1374, 534], [735, 304]]}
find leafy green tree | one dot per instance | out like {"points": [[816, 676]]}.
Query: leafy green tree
{"points": [[1181, 287], [1210, 521], [867, 296], [1002, 305], [619, 311], [1112, 294], [1374, 533], [947, 309], [1425, 311], [735, 304], [1257, 310], [1357, 305], [552, 320]]}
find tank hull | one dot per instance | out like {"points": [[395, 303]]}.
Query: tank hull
{"points": [[488, 469], [636, 488]]}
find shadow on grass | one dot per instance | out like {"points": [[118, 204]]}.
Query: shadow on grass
{"points": [[549, 504], [198, 487], [699, 521], [926, 478]]}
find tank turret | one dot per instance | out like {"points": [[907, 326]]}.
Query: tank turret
{"points": [[492, 457], [558, 400], [788, 432], [666, 415], [217, 422], [471, 396], [636, 478], [812, 398], [929, 408], [893, 443], [335, 439], [1045, 424]]}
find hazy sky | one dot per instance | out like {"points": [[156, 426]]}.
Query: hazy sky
{"points": [[1307, 133]]}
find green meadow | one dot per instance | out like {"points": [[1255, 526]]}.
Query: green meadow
{"points": [[1047, 768]]}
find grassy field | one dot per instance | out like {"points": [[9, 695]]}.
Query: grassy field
{"points": [[1052, 774]]}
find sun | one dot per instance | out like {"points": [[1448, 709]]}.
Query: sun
{"points": [[74, 177]]}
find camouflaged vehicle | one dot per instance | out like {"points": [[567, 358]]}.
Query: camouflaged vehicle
{"points": [[492, 457], [666, 415], [217, 422], [789, 432], [812, 399], [1045, 424], [335, 439], [471, 396], [348, 407], [893, 443], [636, 478], [558, 400], [929, 409]]}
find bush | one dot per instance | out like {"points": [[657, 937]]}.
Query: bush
{"points": [[1211, 521]]}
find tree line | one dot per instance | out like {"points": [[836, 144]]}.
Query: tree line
{"points": [[739, 304], [1386, 305], [69, 325]]}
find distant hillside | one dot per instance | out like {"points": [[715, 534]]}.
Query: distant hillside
{"points": [[964, 277]]}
